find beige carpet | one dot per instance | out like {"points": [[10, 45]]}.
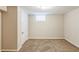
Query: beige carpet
{"points": [[58, 45]]}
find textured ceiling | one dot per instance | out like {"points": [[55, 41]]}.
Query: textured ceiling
{"points": [[53, 10]]}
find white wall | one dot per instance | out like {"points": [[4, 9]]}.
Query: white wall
{"points": [[71, 27], [52, 28], [22, 27]]}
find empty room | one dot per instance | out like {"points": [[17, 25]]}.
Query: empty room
{"points": [[39, 28]]}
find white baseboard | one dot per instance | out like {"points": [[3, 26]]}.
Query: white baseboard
{"points": [[46, 37], [21, 46], [9, 50], [71, 42]]}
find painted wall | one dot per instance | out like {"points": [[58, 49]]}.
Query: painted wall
{"points": [[24, 25], [71, 27], [22, 29], [13, 21], [52, 28], [3, 8], [0, 30], [9, 28]]}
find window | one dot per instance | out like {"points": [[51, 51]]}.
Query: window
{"points": [[40, 18]]}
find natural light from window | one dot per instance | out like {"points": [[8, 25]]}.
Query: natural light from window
{"points": [[40, 18]]}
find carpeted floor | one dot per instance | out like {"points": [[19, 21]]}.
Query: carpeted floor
{"points": [[37, 45]]}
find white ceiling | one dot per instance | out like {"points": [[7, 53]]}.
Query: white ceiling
{"points": [[53, 10]]}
